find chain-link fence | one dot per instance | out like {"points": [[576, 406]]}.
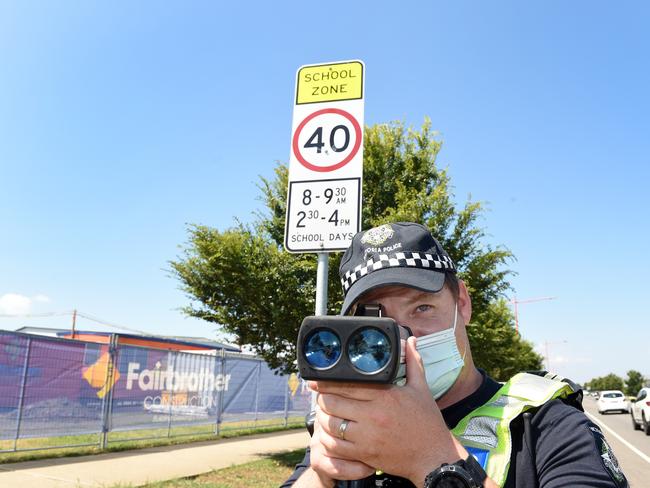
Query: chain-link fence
{"points": [[75, 393]]}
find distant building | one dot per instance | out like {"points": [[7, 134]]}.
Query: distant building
{"points": [[173, 343], [43, 331]]}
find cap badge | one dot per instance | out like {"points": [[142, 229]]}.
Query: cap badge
{"points": [[378, 235]]}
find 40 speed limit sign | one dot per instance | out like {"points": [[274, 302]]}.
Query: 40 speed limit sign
{"points": [[326, 162]]}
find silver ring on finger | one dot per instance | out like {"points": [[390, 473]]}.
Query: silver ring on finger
{"points": [[342, 428]]}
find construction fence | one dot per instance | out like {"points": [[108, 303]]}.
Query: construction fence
{"points": [[73, 390]]}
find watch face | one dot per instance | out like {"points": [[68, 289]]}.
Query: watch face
{"points": [[451, 480], [448, 477]]}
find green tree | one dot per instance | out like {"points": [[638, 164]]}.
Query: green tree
{"points": [[242, 279], [634, 382], [609, 382], [496, 345]]}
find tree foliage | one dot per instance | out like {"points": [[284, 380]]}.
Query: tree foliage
{"points": [[496, 345], [634, 382], [609, 382], [242, 279]]}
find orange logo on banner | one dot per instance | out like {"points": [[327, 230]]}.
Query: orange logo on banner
{"points": [[96, 373], [294, 382]]}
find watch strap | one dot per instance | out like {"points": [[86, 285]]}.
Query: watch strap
{"points": [[475, 470], [469, 470]]}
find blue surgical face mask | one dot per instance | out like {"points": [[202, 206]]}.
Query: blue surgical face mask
{"points": [[442, 359]]}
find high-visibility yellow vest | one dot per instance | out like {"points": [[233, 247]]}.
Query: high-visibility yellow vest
{"points": [[485, 432]]}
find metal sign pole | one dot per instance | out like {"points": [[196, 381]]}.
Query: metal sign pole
{"points": [[321, 283], [321, 297]]}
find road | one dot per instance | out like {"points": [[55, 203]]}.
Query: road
{"points": [[632, 447]]}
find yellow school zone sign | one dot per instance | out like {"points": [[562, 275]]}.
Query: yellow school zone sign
{"points": [[330, 82]]}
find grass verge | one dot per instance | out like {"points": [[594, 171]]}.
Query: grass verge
{"points": [[269, 472], [50, 447]]}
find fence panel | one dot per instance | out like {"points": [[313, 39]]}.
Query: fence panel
{"points": [[299, 397], [59, 394], [272, 394], [240, 385], [13, 370], [197, 390], [141, 396]]}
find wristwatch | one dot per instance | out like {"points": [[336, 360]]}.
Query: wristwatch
{"points": [[466, 473]]}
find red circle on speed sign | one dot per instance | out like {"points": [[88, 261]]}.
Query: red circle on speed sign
{"points": [[335, 166]]}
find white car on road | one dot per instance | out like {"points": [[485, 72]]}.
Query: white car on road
{"points": [[612, 401], [640, 411]]}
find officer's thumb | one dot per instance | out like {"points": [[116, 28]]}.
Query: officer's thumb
{"points": [[414, 366]]}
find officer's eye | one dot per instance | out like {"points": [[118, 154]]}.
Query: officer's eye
{"points": [[424, 308]]}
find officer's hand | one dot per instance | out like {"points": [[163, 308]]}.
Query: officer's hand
{"points": [[328, 466], [398, 430]]}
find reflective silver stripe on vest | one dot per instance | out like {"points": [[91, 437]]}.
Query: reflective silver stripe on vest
{"points": [[503, 401], [482, 430]]}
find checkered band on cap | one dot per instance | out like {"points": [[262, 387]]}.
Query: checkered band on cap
{"points": [[398, 260]]}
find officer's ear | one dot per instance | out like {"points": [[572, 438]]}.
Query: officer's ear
{"points": [[464, 302]]}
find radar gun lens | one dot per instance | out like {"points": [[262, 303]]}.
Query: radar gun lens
{"points": [[322, 349], [369, 350]]}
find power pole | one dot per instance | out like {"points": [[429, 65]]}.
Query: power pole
{"points": [[74, 321]]}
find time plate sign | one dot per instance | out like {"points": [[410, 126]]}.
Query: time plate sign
{"points": [[322, 211], [326, 162]]}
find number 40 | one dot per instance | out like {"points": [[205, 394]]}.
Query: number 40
{"points": [[316, 139]]}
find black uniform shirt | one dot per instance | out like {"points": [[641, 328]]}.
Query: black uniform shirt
{"points": [[569, 449]]}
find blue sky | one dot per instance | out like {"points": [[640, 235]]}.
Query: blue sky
{"points": [[121, 122]]}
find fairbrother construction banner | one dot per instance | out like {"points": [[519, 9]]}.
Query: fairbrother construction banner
{"points": [[52, 386]]}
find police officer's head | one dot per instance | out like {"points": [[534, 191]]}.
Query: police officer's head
{"points": [[399, 254]]}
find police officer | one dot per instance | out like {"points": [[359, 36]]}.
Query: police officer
{"points": [[451, 424]]}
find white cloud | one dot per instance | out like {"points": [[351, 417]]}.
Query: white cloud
{"points": [[16, 304]]}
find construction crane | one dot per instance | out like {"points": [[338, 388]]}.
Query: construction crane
{"points": [[528, 300]]}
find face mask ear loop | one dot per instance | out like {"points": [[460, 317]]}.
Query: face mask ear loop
{"points": [[455, 316], [455, 321]]}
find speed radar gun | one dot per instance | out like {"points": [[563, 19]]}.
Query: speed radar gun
{"points": [[365, 348]]}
